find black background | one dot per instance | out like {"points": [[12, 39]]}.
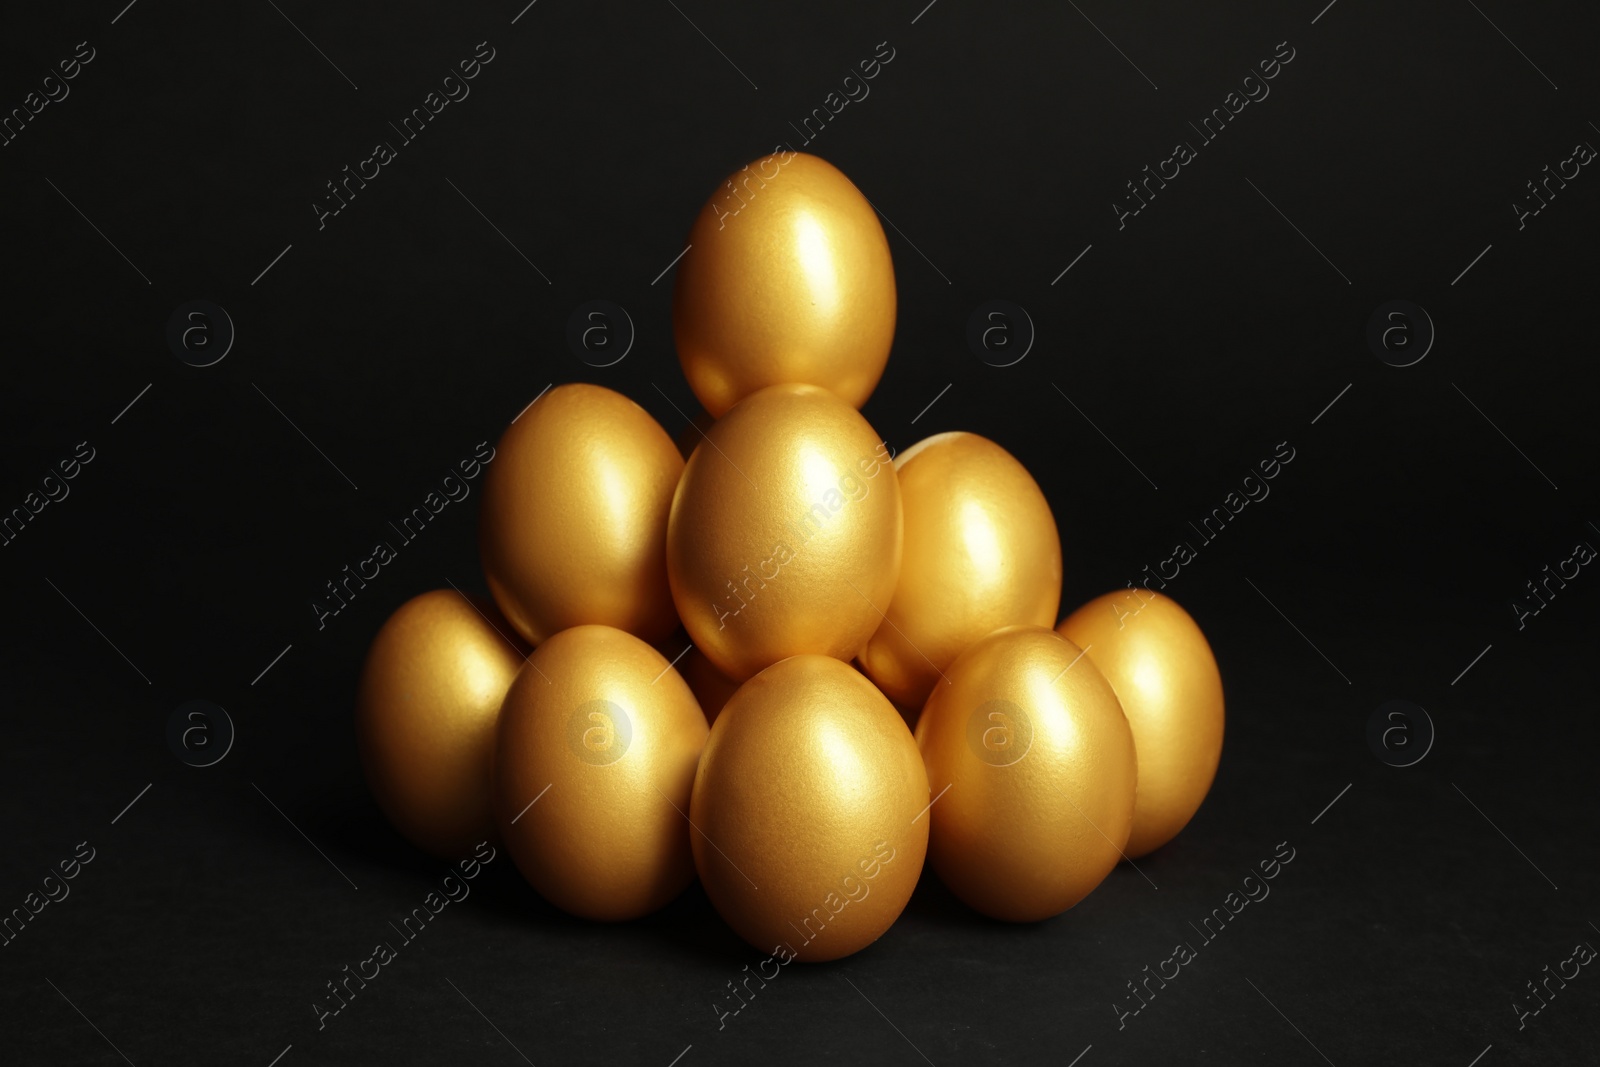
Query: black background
{"points": [[1197, 338]]}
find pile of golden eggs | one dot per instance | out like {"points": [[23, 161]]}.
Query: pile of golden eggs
{"points": [[795, 664]]}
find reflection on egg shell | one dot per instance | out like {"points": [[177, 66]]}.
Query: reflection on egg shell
{"points": [[426, 709], [594, 764], [1034, 765], [809, 804], [788, 278], [784, 535], [980, 552], [574, 516], [1166, 678]]}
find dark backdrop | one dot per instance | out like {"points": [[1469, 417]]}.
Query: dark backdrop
{"points": [[1175, 353]]}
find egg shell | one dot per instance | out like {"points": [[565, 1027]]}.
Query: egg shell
{"points": [[787, 278], [980, 551], [808, 805], [1033, 765], [1166, 678], [595, 759], [784, 535], [426, 711], [573, 521]]}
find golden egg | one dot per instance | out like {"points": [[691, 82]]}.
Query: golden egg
{"points": [[426, 710], [1166, 678], [594, 764], [1033, 765], [784, 536], [808, 811], [710, 686], [980, 552], [787, 279], [574, 519]]}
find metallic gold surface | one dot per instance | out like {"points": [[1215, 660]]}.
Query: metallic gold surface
{"points": [[710, 686], [594, 763], [574, 517], [807, 802], [1166, 678], [785, 532], [426, 710], [787, 279], [980, 552], [1039, 764]]}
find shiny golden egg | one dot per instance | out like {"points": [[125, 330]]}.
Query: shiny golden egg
{"points": [[787, 279], [426, 709], [980, 552], [1033, 765], [808, 810], [1166, 678], [594, 764], [574, 517], [784, 535]]}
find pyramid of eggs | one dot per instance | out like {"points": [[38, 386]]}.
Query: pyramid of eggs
{"points": [[778, 655]]}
